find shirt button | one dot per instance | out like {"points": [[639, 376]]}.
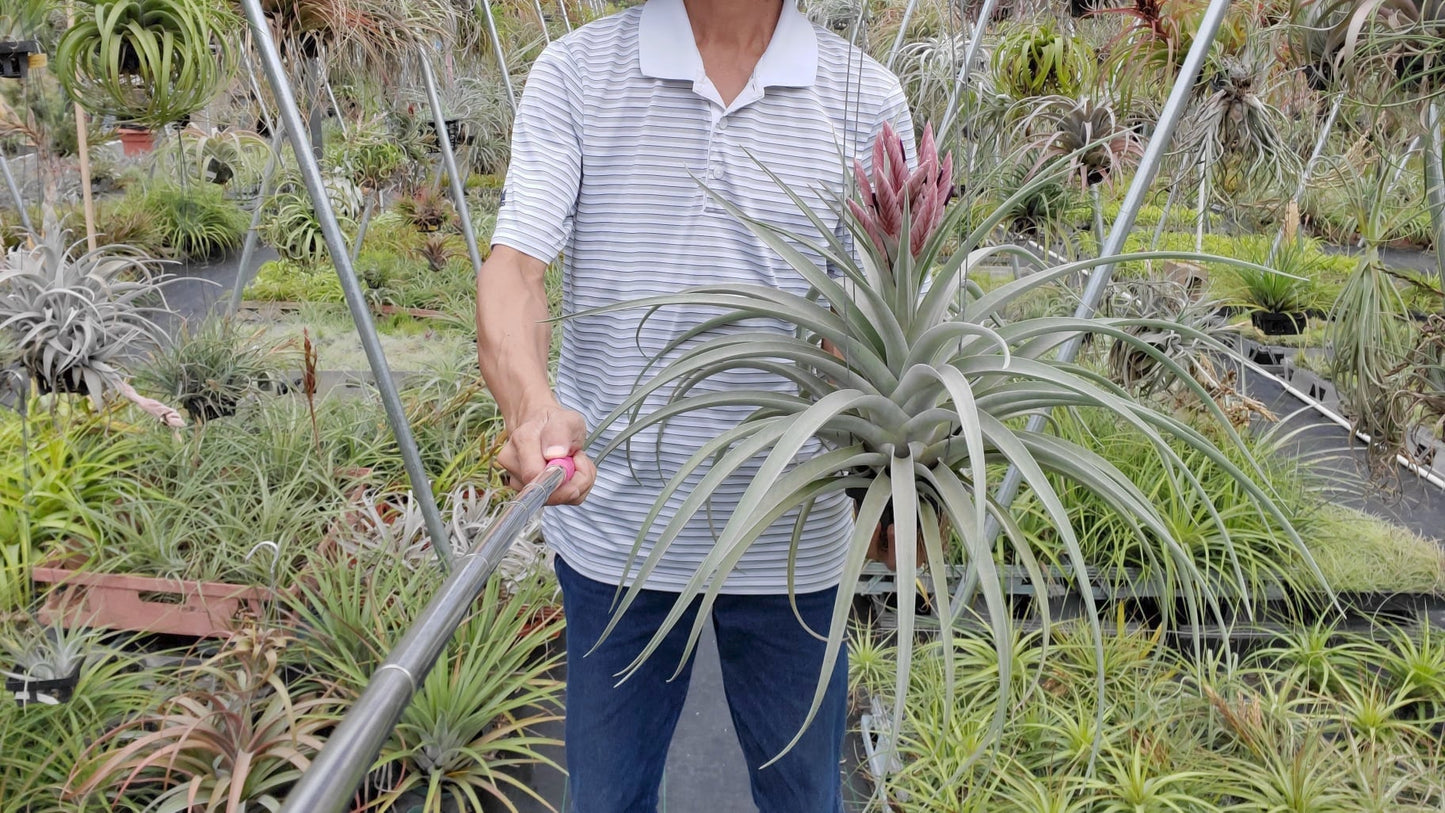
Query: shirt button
{"points": [[722, 124]]}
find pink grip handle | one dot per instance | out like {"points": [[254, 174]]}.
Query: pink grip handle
{"points": [[566, 464]]}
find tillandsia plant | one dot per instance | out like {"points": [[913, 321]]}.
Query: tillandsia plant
{"points": [[917, 386], [75, 316], [147, 61]]}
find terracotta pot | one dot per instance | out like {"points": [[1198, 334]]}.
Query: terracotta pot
{"points": [[147, 604], [135, 141]]}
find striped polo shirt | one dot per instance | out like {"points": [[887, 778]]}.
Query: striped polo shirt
{"points": [[617, 130]]}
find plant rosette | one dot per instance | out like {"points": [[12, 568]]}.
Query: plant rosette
{"points": [[146, 61], [924, 401]]}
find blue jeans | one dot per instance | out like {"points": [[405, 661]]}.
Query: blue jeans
{"points": [[618, 734]]}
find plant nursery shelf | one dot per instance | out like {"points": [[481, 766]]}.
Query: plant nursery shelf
{"points": [[148, 604]]}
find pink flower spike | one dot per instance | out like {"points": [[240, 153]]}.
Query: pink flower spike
{"points": [[945, 177], [870, 226], [865, 187], [880, 165], [927, 149], [890, 209], [897, 162]]}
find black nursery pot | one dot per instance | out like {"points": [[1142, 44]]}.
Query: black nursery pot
{"points": [[54, 691], [1278, 324]]}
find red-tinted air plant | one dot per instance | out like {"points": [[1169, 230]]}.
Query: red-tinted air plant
{"points": [[924, 192]]}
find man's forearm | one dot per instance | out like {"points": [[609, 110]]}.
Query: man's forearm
{"points": [[514, 339]]}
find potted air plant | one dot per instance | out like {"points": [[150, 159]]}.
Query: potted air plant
{"points": [[146, 62], [918, 385], [47, 660]]}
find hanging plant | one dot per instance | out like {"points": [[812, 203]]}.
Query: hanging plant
{"points": [[1039, 61], [150, 62]]}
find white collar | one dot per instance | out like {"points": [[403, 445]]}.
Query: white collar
{"points": [[667, 50]]}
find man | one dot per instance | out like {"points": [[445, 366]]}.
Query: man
{"points": [[621, 125]]}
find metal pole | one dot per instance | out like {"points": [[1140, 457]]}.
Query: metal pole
{"points": [[1435, 182], [984, 14], [1304, 177], [248, 248], [449, 160], [295, 130], [331, 781], [501, 57], [567, 21], [902, 30], [15, 193], [542, 18], [1154, 155]]}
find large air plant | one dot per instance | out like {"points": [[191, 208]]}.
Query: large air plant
{"points": [[917, 384], [74, 316], [147, 61]]}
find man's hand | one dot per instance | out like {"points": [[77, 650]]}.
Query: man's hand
{"points": [[547, 434]]}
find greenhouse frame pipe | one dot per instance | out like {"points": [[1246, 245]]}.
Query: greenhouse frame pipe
{"points": [[501, 57], [295, 130], [1149, 164], [1434, 144], [449, 160], [1304, 177], [902, 30], [542, 19], [15, 195], [566, 20], [329, 783], [248, 247], [974, 41]]}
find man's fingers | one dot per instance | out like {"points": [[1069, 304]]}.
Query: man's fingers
{"points": [[561, 435]]}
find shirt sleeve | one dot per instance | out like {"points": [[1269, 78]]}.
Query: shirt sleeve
{"points": [[540, 193]]}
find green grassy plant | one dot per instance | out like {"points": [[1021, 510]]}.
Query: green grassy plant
{"points": [[56, 472], [472, 718], [293, 281], [1323, 723], [196, 221], [208, 369], [1360, 553]]}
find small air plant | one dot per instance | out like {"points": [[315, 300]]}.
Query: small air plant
{"points": [[1088, 135], [1232, 119], [425, 208], [436, 249], [39, 651], [394, 526]]}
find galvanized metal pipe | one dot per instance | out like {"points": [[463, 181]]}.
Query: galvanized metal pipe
{"points": [[501, 57], [295, 130], [1304, 176], [15, 194], [542, 18], [567, 21], [1434, 143], [974, 41], [248, 247], [331, 781], [449, 160], [1134, 199], [902, 30]]}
